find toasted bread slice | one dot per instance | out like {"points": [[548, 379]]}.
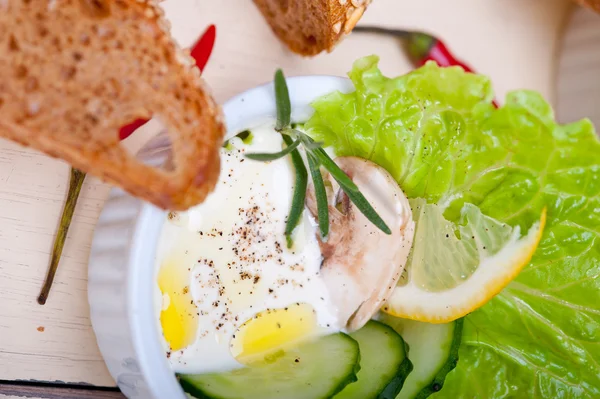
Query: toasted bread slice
{"points": [[310, 26], [72, 72]]}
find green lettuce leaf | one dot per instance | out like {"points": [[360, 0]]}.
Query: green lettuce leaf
{"points": [[436, 131]]}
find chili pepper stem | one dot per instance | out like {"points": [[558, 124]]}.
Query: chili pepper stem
{"points": [[385, 31], [76, 181], [421, 47]]}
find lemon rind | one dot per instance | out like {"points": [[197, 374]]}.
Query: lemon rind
{"points": [[410, 302]]}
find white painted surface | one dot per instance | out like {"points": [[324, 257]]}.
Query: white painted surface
{"points": [[513, 41]]}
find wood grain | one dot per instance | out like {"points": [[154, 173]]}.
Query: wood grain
{"points": [[579, 67], [513, 41], [16, 390]]}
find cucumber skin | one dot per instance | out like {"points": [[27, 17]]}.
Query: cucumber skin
{"points": [[395, 385], [438, 382], [192, 390], [197, 393], [351, 378]]}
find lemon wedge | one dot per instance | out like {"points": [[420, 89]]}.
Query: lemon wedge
{"points": [[454, 269]]}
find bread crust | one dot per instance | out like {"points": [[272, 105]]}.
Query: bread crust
{"points": [[72, 72], [309, 27]]}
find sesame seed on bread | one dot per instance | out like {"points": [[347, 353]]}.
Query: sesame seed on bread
{"points": [[309, 27], [72, 72]]}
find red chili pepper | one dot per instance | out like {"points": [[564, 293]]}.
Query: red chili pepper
{"points": [[201, 52], [128, 130], [422, 47]]}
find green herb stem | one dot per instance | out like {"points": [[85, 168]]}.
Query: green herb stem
{"points": [[76, 182], [320, 194], [349, 187], [366, 209], [282, 99], [264, 156], [311, 146], [338, 174], [316, 157], [307, 141], [299, 195]]}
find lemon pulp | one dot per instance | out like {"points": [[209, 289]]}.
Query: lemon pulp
{"points": [[455, 268]]}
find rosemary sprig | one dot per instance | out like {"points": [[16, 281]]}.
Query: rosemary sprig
{"points": [[282, 99], [317, 157], [307, 141], [77, 178], [320, 194], [343, 180], [299, 192], [350, 188], [266, 156], [366, 209]]}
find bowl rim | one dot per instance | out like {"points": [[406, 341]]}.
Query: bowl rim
{"points": [[243, 111]]}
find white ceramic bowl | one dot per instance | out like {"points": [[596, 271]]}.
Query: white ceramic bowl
{"points": [[122, 271]]}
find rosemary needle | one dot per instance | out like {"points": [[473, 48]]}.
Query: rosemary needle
{"points": [[299, 192], [320, 194], [351, 191], [344, 181], [282, 100], [264, 156], [366, 209]]}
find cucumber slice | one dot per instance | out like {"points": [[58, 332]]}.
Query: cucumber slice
{"points": [[384, 365], [315, 369], [433, 350]]}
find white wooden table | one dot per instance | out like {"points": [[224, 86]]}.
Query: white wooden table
{"points": [[513, 41]]}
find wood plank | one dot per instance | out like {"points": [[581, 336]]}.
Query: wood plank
{"points": [[578, 83], [55, 341], [514, 41], [55, 391]]}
